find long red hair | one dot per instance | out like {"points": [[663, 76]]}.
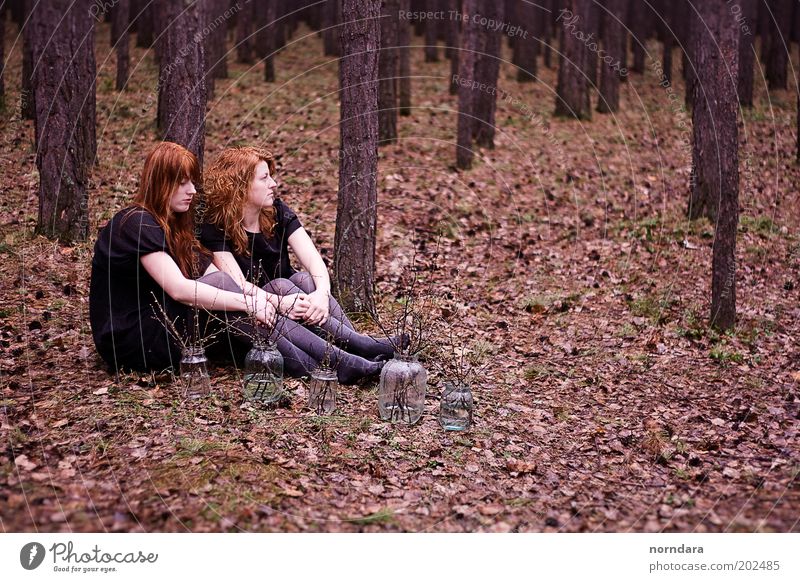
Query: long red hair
{"points": [[165, 168], [228, 183]]}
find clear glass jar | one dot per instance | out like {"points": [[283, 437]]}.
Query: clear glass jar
{"points": [[455, 412], [194, 373], [263, 373], [322, 390], [401, 393]]}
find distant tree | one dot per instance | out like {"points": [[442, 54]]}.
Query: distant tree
{"points": [[614, 39], [639, 14], [747, 54], [65, 115], [466, 77], [356, 214], [431, 34], [219, 12], [145, 23], [330, 29], [387, 72], [526, 46], [455, 39], [182, 85], [780, 27], [245, 41], [2, 54], [666, 28], [572, 91], [487, 69], [29, 60], [121, 39], [404, 62], [715, 152]]}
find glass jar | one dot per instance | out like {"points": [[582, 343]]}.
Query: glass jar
{"points": [[455, 412], [401, 394], [263, 373], [194, 373], [322, 390]]}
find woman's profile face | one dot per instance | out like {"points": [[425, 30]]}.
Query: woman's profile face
{"points": [[182, 197], [262, 188]]}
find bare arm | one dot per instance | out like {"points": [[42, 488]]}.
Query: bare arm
{"points": [[309, 257]]}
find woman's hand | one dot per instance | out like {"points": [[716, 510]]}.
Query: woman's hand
{"points": [[294, 306], [259, 306], [318, 311]]}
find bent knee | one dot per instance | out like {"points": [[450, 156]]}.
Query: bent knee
{"points": [[303, 280], [221, 280], [281, 287]]}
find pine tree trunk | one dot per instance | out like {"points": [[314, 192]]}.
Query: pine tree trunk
{"points": [[65, 116], [182, 86], [29, 59], [121, 38], [244, 34], [716, 150], [387, 73], [638, 15], [219, 14], [689, 64], [747, 55], [330, 28], [270, 10], [487, 69], [547, 32], [431, 35], [614, 36], [666, 26], [780, 27], [572, 92], [145, 24], [455, 36], [404, 62], [526, 47], [356, 215], [3, 16], [466, 79]]}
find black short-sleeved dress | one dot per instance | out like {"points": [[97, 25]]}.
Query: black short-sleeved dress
{"points": [[121, 302], [269, 256]]}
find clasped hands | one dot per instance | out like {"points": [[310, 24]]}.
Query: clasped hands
{"points": [[313, 308]]}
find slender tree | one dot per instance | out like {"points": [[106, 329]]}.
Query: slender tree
{"points": [[145, 23], [219, 13], [431, 34], [387, 72], [747, 52], [2, 54], [404, 62], [547, 31], [666, 27], [121, 39], [268, 37], [455, 37], [487, 70], [715, 153], [330, 29], [611, 69], [245, 41], [526, 46], [572, 91], [182, 85], [466, 79], [356, 215], [65, 115], [638, 22], [780, 27], [29, 60]]}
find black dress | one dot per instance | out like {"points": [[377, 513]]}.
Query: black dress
{"points": [[269, 256], [122, 309]]}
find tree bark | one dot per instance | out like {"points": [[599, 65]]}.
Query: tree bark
{"points": [[220, 12], [455, 37], [611, 70], [29, 59], [121, 37], [547, 32], [145, 24], [182, 86], [330, 32], [716, 150], [2, 55], [268, 42], [387, 73], [431, 35], [666, 26], [638, 15], [780, 27], [65, 116], [487, 70], [404, 62], [526, 46], [244, 33], [747, 55], [356, 215], [466, 78], [572, 92]]}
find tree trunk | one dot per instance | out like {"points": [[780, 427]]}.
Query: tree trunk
{"points": [[244, 33], [65, 116], [487, 70], [572, 92], [356, 215], [716, 150], [466, 79], [2, 56], [121, 38], [526, 47], [455, 36], [780, 27], [431, 34], [219, 13], [638, 17], [689, 65], [387, 73], [182, 87], [666, 26], [547, 32], [29, 59], [145, 24], [404, 64], [747, 54], [614, 37], [330, 28], [270, 14]]}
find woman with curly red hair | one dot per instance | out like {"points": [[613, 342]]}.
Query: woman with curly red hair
{"points": [[148, 252], [250, 232]]}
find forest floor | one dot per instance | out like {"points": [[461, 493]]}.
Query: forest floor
{"points": [[564, 256]]}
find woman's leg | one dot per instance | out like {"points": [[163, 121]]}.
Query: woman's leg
{"points": [[338, 331], [306, 282], [301, 349]]}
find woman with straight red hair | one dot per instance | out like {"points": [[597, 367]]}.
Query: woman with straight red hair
{"points": [[148, 252]]}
